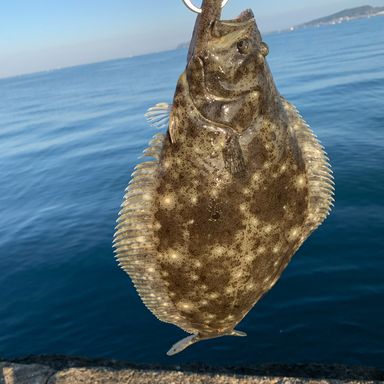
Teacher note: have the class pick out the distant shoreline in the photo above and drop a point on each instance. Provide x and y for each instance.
(363, 12)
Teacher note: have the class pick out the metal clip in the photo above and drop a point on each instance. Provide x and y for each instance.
(193, 8)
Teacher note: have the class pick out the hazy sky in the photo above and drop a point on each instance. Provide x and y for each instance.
(37, 35)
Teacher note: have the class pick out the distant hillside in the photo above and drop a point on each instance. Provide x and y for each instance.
(183, 45)
(343, 16)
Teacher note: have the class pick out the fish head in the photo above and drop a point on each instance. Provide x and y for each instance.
(232, 59)
(228, 77)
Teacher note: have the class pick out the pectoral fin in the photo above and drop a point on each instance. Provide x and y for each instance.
(158, 115)
(233, 156)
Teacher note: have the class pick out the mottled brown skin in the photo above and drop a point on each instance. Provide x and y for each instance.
(232, 198)
(208, 225)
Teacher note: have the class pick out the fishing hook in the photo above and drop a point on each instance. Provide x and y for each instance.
(193, 8)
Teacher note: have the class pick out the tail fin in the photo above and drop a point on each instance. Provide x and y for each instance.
(192, 339)
(182, 344)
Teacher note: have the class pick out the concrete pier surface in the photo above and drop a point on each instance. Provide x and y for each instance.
(70, 370)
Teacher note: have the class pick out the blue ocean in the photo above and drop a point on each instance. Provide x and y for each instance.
(69, 140)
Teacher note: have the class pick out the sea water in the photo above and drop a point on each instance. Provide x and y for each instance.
(69, 140)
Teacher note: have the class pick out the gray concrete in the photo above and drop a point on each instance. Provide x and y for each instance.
(64, 370)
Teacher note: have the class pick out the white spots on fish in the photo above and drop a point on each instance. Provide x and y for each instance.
(231, 253)
(141, 239)
(218, 250)
(174, 255)
(190, 222)
(283, 168)
(300, 181)
(267, 165)
(294, 233)
(237, 274)
(186, 234)
(268, 228)
(185, 305)
(244, 207)
(147, 197)
(156, 226)
(194, 277)
(256, 177)
(214, 192)
(203, 302)
(194, 199)
(250, 286)
(168, 201)
(171, 256)
(261, 250)
(203, 287)
(213, 295)
(167, 164)
(229, 290)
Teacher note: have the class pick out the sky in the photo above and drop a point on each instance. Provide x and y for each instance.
(38, 35)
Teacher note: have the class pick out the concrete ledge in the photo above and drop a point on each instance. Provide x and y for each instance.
(67, 370)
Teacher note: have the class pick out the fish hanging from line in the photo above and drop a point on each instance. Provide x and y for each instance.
(234, 187)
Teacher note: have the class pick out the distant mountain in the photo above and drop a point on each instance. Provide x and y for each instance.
(183, 45)
(343, 16)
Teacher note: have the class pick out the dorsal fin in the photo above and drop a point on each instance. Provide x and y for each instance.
(135, 239)
(319, 173)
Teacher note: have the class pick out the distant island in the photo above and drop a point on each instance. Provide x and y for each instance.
(183, 45)
(364, 11)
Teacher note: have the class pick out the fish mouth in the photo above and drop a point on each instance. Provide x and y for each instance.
(224, 92)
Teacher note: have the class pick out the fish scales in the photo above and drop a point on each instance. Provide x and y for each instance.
(238, 183)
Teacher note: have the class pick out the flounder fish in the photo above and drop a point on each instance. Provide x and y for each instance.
(233, 189)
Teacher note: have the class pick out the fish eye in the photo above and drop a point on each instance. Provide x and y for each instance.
(243, 46)
(264, 49)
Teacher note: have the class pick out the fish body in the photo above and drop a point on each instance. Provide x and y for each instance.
(235, 186)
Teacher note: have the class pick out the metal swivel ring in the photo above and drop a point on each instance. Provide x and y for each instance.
(193, 8)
